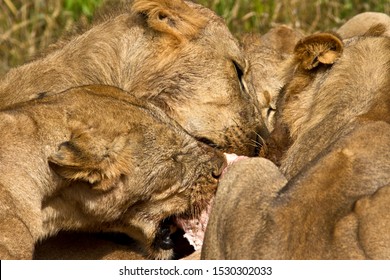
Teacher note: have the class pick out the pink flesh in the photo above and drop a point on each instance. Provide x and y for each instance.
(194, 229)
(231, 158)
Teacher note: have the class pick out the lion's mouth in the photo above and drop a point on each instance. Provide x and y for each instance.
(184, 233)
(163, 238)
(173, 229)
(194, 229)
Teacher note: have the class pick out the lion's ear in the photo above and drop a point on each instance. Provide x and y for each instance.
(83, 158)
(173, 17)
(321, 48)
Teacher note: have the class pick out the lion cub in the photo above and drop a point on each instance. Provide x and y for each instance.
(98, 159)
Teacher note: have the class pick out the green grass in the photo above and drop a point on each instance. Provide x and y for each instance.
(29, 26)
(81, 7)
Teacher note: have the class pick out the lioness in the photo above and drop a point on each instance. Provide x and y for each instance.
(335, 205)
(177, 55)
(96, 158)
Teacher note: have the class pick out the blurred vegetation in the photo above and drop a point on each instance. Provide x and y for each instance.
(308, 15)
(29, 26)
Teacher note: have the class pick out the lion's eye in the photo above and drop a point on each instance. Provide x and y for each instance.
(240, 74)
(270, 111)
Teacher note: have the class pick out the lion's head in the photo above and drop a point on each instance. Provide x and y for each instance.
(330, 84)
(120, 164)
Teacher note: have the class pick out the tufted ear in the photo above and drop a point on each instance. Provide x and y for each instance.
(92, 160)
(321, 48)
(173, 17)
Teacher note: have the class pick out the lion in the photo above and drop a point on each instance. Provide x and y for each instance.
(330, 198)
(267, 55)
(277, 145)
(177, 55)
(95, 158)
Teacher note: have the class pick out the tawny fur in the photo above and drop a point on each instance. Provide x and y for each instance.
(96, 158)
(335, 203)
(268, 55)
(172, 17)
(177, 55)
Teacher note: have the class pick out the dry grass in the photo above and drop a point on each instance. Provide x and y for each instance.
(29, 26)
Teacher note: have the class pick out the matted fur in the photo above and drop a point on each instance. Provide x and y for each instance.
(335, 204)
(177, 55)
(95, 158)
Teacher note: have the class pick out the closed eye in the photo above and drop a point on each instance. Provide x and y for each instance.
(240, 74)
(270, 111)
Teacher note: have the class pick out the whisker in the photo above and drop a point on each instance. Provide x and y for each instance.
(255, 143)
(260, 137)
